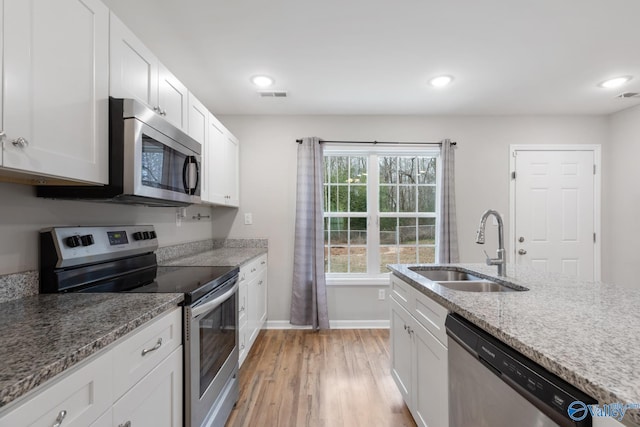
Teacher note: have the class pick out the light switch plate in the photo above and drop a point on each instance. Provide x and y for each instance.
(248, 219)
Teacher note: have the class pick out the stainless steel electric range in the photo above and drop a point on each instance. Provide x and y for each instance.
(123, 259)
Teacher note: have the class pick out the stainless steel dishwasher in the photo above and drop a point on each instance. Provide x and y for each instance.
(492, 385)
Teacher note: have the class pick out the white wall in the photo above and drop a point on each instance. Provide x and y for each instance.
(22, 215)
(621, 201)
(268, 181)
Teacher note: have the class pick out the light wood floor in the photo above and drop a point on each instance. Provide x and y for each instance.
(329, 378)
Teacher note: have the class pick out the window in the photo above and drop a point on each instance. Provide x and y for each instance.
(379, 208)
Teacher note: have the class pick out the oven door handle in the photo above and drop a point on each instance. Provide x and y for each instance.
(214, 303)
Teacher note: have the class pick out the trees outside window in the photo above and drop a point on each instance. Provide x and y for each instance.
(380, 208)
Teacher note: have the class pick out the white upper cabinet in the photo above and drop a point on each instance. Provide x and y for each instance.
(172, 98)
(223, 165)
(56, 86)
(198, 118)
(134, 68)
(136, 73)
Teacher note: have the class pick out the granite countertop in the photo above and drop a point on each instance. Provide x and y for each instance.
(586, 333)
(43, 335)
(216, 257)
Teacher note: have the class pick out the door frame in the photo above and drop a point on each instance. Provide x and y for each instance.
(597, 183)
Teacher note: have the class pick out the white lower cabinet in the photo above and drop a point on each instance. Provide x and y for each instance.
(252, 307)
(419, 363)
(156, 400)
(141, 373)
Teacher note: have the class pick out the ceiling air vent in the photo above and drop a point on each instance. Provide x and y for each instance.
(273, 93)
(629, 95)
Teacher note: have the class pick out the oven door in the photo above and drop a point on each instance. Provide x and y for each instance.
(159, 167)
(211, 356)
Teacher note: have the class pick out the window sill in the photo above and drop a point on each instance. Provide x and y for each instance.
(382, 280)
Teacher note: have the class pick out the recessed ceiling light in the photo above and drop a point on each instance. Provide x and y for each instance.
(262, 81)
(440, 81)
(617, 82)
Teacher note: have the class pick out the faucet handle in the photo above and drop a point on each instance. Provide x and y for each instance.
(485, 252)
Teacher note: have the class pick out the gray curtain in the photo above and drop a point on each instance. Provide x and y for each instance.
(448, 227)
(309, 293)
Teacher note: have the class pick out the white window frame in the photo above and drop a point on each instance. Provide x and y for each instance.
(373, 215)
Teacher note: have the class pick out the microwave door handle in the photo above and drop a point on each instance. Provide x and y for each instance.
(214, 303)
(190, 173)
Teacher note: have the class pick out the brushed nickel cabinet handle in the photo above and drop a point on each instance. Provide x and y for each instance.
(154, 348)
(127, 424)
(20, 142)
(60, 418)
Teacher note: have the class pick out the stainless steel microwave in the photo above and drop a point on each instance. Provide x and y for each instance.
(151, 162)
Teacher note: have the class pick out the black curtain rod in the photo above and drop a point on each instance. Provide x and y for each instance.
(299, 141)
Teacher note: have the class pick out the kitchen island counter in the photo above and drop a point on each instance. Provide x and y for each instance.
(587, 333)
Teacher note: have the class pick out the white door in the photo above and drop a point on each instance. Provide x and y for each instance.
(555, 211)
(56, 83)
(172, 98)
(198, 119)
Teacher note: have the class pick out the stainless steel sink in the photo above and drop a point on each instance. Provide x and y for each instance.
(476, 286)
(444, 275)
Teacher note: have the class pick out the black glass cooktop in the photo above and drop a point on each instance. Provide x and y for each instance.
(193, 282)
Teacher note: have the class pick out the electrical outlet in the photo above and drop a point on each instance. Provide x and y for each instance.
(248, 219)
(381, 294)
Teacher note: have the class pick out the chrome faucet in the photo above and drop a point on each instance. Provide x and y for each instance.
(500, 261)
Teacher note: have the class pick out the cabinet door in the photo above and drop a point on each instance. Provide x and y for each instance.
(198, 119)
(232, 171)
(172, 98)
(56, 85)
(157, 399)
(105, 420)
(134, 68)
(401, 350)
(261, 300)
(431, 386)
(216, 157)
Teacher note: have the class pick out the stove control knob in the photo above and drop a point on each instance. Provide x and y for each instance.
(153, 234)
(87, 240)
(146, 235)
(137, 235)
(73, 241)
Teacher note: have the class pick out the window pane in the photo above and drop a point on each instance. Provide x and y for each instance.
(358, 198)
(338, 198)
(359, 169)
(388, 170)
(426, 198)
(338, 231)
(407, 254)
(388, 231)
(358, 259)
(427, 231)
(358, 231)
(407, 231)
(341, 167)
(388, 255)
(426, 254)
(407, 170)
(407, 198)
(427, 170)
(339, 259)
(387, 195)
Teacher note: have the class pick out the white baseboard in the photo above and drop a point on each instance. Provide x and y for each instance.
(334, 324)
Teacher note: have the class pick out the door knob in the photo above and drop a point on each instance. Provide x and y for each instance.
(521, 239)
(522, 252)
(20, 142)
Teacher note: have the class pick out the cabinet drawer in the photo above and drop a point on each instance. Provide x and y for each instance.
(141, 352)
(84, 394)
(431, 315)
(253, 268)
(402, 293)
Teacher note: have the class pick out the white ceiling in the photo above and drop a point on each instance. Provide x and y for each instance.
(376, 56)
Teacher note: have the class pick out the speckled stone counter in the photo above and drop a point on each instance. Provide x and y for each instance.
(586, 333)
(222, 256)
(43, 335)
